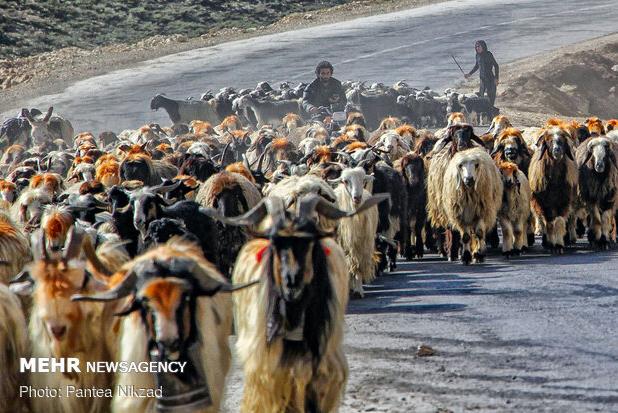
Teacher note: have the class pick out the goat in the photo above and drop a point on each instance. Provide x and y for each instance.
(514, 213)
(147, 204)
(598, 181)
(290, 328)
(472, 196)
(553, 177)
(14, 249)
(48, 128)
(185, 111)
(412, 168)
(356, 235)
(175, 314)
(269, 112)
(59, 328)
(14, 345)
(480, 105)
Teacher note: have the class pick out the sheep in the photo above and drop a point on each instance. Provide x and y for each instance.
(108, 173)
(140, 166)
(14, 345)
(553, 177)
(412, 168)
(291, 122)
(56, 222)
(595, 126)
(356, 235)
(27, 210)
(185, 111)
(510, 146)
(231, 194)
(472, 196)
(498, 124)
(458, 138)
(8, 192)
(181, 315)
(290, 327)
(269, 112)
(514, 213)
(59, 328)
(598, 181)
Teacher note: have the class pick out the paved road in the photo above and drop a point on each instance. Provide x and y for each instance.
(414, 45)
(537, 333)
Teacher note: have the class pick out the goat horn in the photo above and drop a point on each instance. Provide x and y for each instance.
(222, 162)
(123, 289)
(73, 244)
(91, 255)
(207, 285)
(251, 217)
(164, 188)
(48, 114)
(312, 202)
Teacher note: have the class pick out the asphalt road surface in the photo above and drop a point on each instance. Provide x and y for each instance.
(537, 333)
(414, 45)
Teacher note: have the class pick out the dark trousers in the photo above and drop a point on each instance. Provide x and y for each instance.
(489, 86)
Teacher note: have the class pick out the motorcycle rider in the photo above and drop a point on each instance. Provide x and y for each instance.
(324, 91)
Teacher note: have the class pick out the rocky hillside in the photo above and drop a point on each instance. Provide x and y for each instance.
(579, 82)
(29, 27)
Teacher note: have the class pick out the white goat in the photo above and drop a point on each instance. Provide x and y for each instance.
(357, 234)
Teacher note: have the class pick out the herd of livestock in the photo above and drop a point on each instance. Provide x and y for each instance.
(155, 244)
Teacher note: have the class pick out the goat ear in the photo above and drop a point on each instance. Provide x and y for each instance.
(588, 156)
(538, 140)
(48, 114)
(497, 149)
(569, 152)
(26, 114)
(542, 149)
(121, 290)
(133, 305)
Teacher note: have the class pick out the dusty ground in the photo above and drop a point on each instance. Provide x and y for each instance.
(47, 73)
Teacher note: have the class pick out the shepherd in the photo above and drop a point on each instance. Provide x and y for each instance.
(486, 65)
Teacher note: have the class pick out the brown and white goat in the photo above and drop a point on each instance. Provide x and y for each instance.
(553, 177)
(60, 328)
(598, 186)
(14, 345)
(176, 313)
(514, 213)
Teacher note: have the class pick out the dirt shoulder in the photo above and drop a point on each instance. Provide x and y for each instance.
(574, 81)
(22, 79)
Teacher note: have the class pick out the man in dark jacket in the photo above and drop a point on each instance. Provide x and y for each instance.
(325, 90)
(485, 64)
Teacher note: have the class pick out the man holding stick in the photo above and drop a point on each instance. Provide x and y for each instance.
(486, 65)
